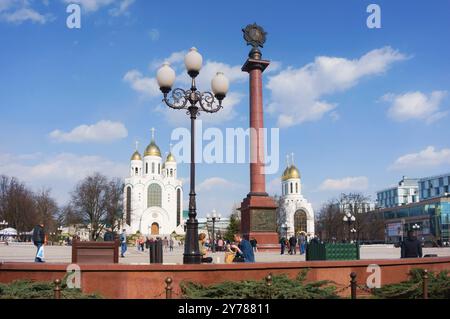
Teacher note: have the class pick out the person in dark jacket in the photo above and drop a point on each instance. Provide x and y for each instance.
(282, 245)
(411, 247)
(245, 249)
(38, 239)
(109, 235)
(292, 245)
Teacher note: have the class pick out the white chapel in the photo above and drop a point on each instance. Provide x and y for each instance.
(294, 210)
(153, 195)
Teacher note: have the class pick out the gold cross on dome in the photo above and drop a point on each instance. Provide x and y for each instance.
(153, 133)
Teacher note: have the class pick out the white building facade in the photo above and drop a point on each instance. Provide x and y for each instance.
(406, 192)
(294, 210)
(153, 195)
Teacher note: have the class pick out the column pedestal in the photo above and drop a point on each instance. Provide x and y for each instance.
(259, 221)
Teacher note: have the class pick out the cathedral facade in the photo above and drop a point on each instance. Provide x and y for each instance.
(153, 195)
(294, 210)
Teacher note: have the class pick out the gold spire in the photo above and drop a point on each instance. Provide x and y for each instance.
(136, 155)
(170, 157)
(152, 149)
(291, 170)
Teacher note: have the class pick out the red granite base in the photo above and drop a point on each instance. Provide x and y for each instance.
(267, 238)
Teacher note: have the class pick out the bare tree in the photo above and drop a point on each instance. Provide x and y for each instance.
(89, 202)
(114, 203)
(46, 210)
(368, 225)
(17, 204)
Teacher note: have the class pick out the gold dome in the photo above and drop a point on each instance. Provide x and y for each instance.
(152, 150)
(290, 172)
(136, 156)
(170, 158)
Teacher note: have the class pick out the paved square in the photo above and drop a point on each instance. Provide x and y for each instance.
(62, 254)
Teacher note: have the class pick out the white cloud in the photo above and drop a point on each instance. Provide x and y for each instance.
(60, 172)
(19, 11)
(416, 106)
(122, 9)
(103, 131)
(428, 157)
(91, 5)
(215, 183)
(148, 87)
(346, 183)
(154, 34)
(297, 94)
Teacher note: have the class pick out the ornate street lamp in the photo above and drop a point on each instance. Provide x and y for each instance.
(214, 217)
(194, 102)
(349, 219)
(353, 231)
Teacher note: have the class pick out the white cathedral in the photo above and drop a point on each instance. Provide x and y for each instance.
(294, 210)
(153, 196)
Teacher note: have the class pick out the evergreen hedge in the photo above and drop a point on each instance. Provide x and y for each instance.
(438, 287)
(28, 289)
(282, 288)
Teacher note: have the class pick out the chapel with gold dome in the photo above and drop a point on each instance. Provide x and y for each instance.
(153, 194)
(294, 211)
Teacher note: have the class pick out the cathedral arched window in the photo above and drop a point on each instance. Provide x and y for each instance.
(128, 208)
(136, 171)
(300, 219)
(178, 206)
(153, 168)
(146, 168)
(291, 189)
(159, 168)
(154, 195)
(296, 188)
(171, 172)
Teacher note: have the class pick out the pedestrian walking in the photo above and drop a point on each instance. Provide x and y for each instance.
(123, 243)
(171, 244)
(292, 245)
(411, 247)
(39, 242)
(282, 245)
(302, 243)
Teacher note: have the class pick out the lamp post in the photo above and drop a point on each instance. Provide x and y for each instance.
(353, 231)
(349, 219)
(214, 217)
(194, 102)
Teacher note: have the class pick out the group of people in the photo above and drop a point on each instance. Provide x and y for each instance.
(143, 243)
(241, 250)
(290, 245)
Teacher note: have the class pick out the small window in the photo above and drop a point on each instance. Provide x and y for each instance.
(137, 171)
(146, 168)
(159, 168)
(171, 172)
(153, 168)
(296, 188)
(292, 189)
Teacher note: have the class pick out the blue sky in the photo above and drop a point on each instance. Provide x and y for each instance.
(359, 107)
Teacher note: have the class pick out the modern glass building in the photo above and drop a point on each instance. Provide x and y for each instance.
(434, 186)
(432, 217)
